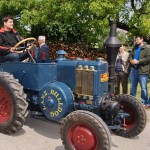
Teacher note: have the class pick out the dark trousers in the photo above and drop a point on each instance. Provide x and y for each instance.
(14, 57)
(121, 79)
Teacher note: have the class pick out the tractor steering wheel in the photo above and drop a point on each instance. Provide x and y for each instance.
(20, 50)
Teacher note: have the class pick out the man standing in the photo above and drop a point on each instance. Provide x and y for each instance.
(140, 60)
(44, 51)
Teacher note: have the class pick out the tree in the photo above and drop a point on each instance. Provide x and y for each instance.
(80, 21)
(135, 18)
(77, 21)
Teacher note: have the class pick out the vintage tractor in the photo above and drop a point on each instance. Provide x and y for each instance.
(78, 93)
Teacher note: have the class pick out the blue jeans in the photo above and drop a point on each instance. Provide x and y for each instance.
(135, 77)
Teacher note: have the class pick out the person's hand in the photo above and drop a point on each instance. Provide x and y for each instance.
(12, 49)
(134, 62)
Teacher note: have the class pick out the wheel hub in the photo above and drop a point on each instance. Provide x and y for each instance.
(130, 121)
(83, 138)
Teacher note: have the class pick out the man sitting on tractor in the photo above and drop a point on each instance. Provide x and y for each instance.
(8, 39)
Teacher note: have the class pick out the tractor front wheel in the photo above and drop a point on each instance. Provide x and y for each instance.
(13, 104)
(83, 130)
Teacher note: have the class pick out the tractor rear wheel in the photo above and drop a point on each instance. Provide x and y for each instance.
(83, 130)
(136, 122)
(13, 104)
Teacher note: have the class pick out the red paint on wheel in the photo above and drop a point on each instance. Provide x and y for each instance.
(5, 105)
(131, 121)
(82, 137)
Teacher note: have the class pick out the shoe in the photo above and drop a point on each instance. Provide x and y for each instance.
(146, 106)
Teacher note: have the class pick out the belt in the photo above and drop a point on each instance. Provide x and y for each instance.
(136, 68)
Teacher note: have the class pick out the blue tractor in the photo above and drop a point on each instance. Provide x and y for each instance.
(77, 92)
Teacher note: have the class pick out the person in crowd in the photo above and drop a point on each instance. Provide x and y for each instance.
(44, 51)
(34, 53)
(9, 37)
(140, 60)
(121, 69)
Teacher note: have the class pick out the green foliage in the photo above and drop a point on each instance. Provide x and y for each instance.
(73, 21)
(137, 17)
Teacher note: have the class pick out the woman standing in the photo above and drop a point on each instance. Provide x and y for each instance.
(122, 66)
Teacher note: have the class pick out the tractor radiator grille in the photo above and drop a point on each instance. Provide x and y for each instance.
(84, 80)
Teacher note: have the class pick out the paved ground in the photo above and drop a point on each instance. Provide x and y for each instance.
(41, 135)
(148, 115)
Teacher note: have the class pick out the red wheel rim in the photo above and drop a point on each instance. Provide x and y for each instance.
(131, 121)
(81, 137)
(5, 105)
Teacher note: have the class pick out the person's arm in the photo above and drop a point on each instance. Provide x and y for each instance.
(18, 37)
(3, 49)
(131, 57)
(45, 52)
(127, 64)
(131, 54)
(146, 59)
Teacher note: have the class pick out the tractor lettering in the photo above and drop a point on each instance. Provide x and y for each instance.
(59, 109)
(56, 113)
(44, 95)
(42, 102)
(44, 108)
(59, 104)
(53, 92)
(52, 114)
(59, 99)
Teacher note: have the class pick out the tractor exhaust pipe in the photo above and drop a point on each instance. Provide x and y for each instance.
(112, 45)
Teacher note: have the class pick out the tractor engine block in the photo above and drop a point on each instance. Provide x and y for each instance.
(109, 108)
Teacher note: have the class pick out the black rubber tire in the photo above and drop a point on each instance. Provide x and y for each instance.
(93, 122)
(18, 102)
(137, 122)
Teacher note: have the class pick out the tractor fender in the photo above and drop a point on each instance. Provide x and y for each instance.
(55, 100)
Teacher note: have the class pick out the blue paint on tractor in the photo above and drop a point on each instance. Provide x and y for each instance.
(46, 83)
(32, 76)
(55, 100)
(66, 73)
